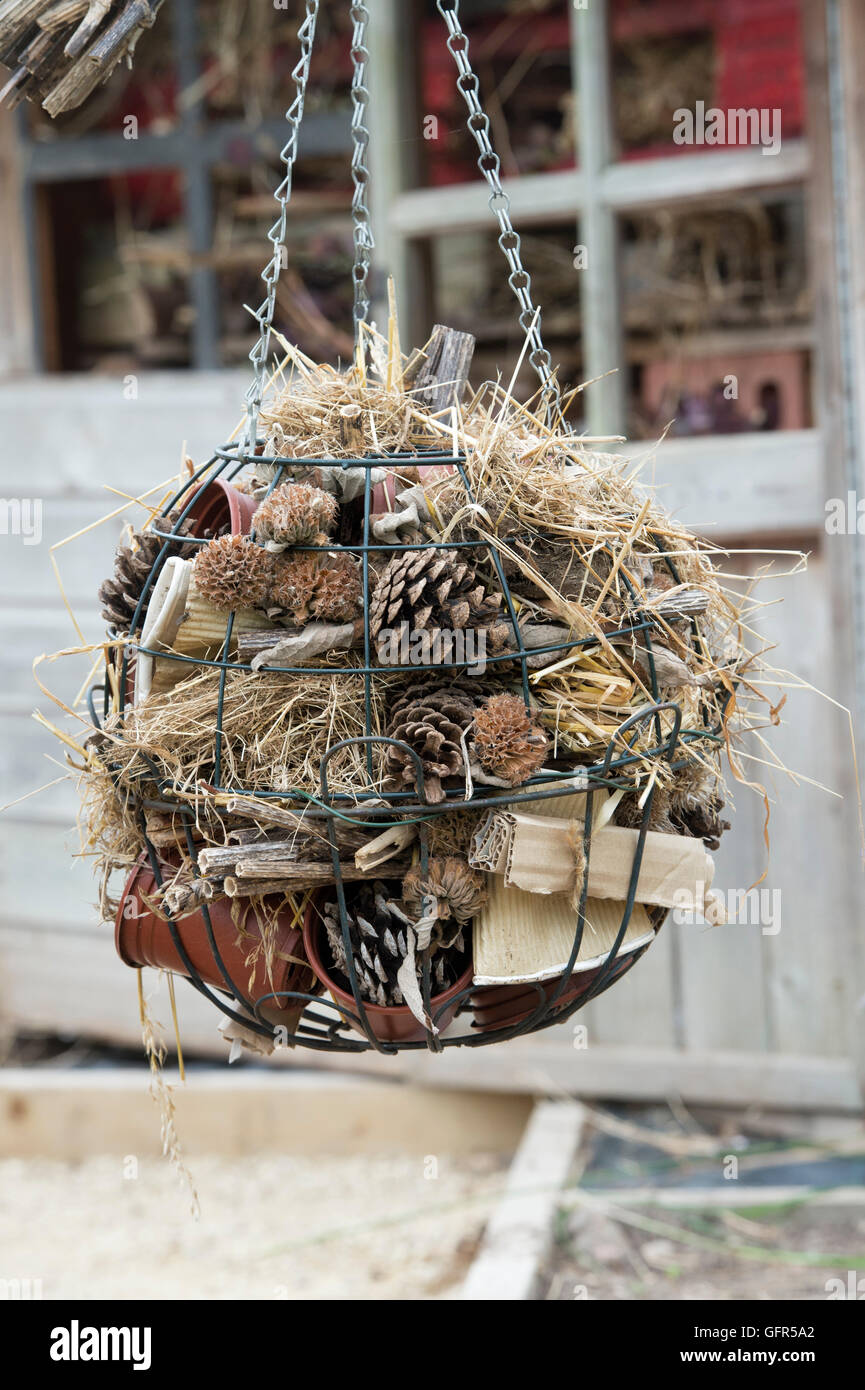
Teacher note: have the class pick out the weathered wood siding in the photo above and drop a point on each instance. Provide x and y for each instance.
(718, 1013)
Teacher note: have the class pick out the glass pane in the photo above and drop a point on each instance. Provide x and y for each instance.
(314, 295)
(717, 314)
(521, 53)
(713, 61)
(115, 273)
(249, 49)
(470, 291)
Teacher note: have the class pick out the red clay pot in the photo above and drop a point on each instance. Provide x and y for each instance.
(504, 1006)
(384, 494)
(222, 507)
(395, 1024)
(142, 938)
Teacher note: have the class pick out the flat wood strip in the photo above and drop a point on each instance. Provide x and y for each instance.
(69, 980)
(519, 1234)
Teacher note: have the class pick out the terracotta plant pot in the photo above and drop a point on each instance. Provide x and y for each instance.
(142, 938)
(222, 508)
(505, 1006)
(384, 494)
(396, 1024)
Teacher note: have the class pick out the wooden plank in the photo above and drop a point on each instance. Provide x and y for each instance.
(519, 1234)
(736, 1195)
(598, 231)
(25, 750)
(41, 880)
(78, 432)
(388, 152)
(26, 574)
(68, 980)
(630, 185)
(16, 327)
(734, 486)
(535, 198)
(540, 1065)
(70, 1115)
(641, 1008)
(809, 865)
(682, 178)
(27, 632)
(723, 987)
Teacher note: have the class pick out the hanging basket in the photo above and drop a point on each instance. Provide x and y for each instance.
(349, 839)
(323, 1005)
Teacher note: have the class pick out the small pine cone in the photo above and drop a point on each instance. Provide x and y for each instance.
(431, 589)
(296, 514)
(377, 928)
(449, 889)
(377, 931)
(325, 587)
(233, 572)
(430, 719)
(703, 821)
(132, 565)
(507, 741)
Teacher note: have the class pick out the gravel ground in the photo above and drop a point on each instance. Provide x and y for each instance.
(270, 1228)
(784, 1253)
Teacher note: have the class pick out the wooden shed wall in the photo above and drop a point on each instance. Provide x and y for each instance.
(720, 1014)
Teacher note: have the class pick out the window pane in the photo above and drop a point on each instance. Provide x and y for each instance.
(521, 54)
(249, 50)
(717, 313)
(709, 60)
(314, 294)
(115, 274)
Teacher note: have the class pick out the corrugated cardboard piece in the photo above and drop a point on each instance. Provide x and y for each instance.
(523, 936)
(543, 854)
(536, 866)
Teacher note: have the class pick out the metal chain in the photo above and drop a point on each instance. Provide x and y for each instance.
(363, 238)
(270, 275)
(490, 166)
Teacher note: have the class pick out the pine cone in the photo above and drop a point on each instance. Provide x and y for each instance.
(132, 564)
(326, 587)
(430, 719)
(296, 514)
(449, 889)
(377, 929)
(431, 589)
(507, 741)
(702, 820)
(233, 572)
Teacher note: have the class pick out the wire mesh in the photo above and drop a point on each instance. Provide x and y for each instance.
(328, 1023)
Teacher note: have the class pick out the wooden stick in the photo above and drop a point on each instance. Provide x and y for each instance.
(252, 644)
(97, 10)
(384, 847)
(187, 895)
(295, 874)
(442, 379)
(351, 429)
(62, 14)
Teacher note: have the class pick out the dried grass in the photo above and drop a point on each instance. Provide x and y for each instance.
(581, 542)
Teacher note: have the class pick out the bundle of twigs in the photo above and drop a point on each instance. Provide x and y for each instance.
(59, 51)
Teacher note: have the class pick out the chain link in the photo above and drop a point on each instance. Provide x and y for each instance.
(489, 164)
(276, 236)
(363, 238)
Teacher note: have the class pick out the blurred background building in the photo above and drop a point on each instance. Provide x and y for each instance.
(723, 281)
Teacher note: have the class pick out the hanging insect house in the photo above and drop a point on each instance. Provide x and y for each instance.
(412, 716)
